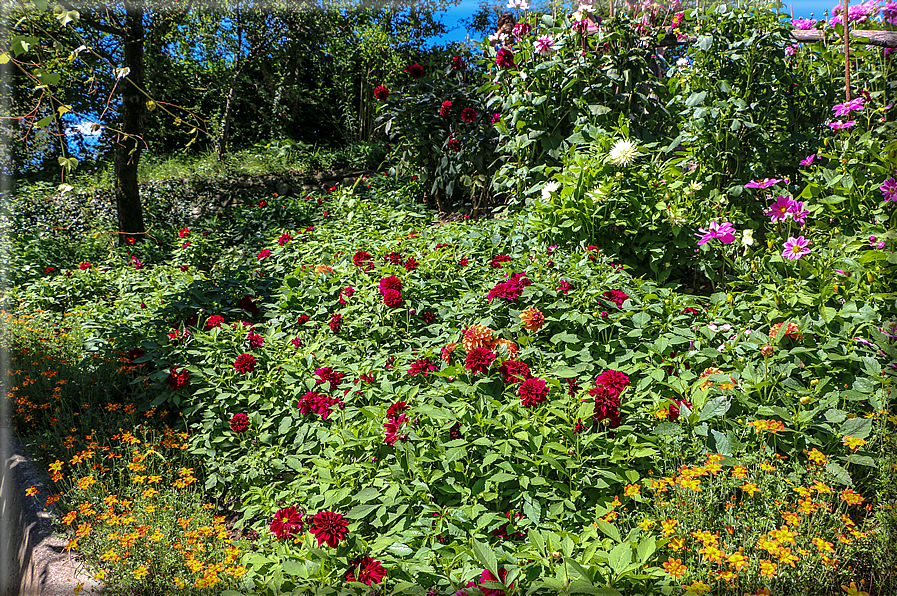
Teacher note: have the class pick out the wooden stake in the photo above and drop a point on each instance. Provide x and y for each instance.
(846, 51)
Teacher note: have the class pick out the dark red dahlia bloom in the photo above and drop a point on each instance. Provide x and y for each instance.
(248, 305)
(458, 63)
(361, 258)
(302, 319)
(245, 363)
(502, 530)
(411, 264)
(618, 297)
(176, 379)
(487, 576)
(319, 403)
(445, 110)
(391, 283)
(564, 287)
(365, 570)
(286, 522)
(367, 378)
(454, 145)
(336, 322)
(455, 431)
(329, 528)
(135, 354)
(496, 118)
(50, 269)
(468, 115)
(392, 298)
(345, 294)
(428, 317)
(505, 59)
(578, 427)
(263, 254)
(613, 380)
(255, 340)
(513, 371)
(84, 266)
(296, 342)
(511, 289)
(607, 404)
(381, 93)
(391, 429)
(479, 360)
(415, 70)
(675, 407)
(395, 258)
(239, 423)
(691, 311)
(422, 366)
(532, 392)
(284, 239)
(214, 321)
(573, 386)
(262, 204)
(395, 409)
(497, 260)
(328, 375)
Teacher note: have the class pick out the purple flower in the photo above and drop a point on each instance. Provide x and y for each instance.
(724, 232)
(844, 109)
(781, 209)
(544, 45)
(840, 272)
(766, 183)
(803, 24)
(790, 51)
(797, 212)
(795, 248)
(808, 160)
(838, 125)
(889, 189)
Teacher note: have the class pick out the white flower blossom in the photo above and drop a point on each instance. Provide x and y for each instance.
(623, 153)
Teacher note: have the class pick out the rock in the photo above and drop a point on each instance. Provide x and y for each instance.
(282, 188)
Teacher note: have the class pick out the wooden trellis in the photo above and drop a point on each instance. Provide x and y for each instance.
(882, 39)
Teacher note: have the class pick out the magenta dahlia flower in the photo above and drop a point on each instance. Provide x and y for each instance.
(468, 115)
(391, 429)
(329, 528)
(888, 189)
(263, 254)
(284, 239)
(505, 59)
(381, 93)
(422, 367)
(724, 232)
(532, 392)
(544, 45)
(445, 110)
(513, 371)
(781, 209)
(245, 363)
(392, 298)
(286, 522)
(336, 322)
(365, 570)
(214, 321)
(255, 340)
(795, 248)
(618, 297)
(479, 360)
(391, 283)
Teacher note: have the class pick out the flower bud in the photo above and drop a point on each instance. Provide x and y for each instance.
(767, 350)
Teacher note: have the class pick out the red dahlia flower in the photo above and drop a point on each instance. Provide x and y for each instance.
(514, 372)
(675, 408)
(458, 63)
(336, 322)
(479, 360)
(422, 366)
(391, 283)
(487, 576)
(428, 317)
(214, 321)
(505, 59)
(239, 423)
(368, 571)
(396, 408)
(391, 429)
(84, 266)
(415, 70)
(468, 115)
(284, 238)
(255, 340)
(135, 354)
(613, 380)
(532, 392)
(265, 253)
(302, 319)
(176, 379)
(454, 145)
(607, 404)
(381, 93)
(392, 298)
(360, 258)
(618, 297)
(497, 260)
(564, 287)
(286, 522)
(411, 264)
(328, 375)
(248, 305)
(445, 109)
(183, 232)
(245, 363)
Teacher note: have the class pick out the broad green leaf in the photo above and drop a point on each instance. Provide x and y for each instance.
(857, 427)
(840, 475)
(485, 556)
(609, 530)
(620, 558)
(361, 511)
(718, 406)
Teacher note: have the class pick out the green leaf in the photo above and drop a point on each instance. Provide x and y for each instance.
(695, 99)
(401, 549)
(718, 406)
(840, 475)
(646, 548)
(857, 427)
(361, 511)
(668, 429)
(486, 557)
(704, 42)
(609, 530)
(620, 557)
(722, 443)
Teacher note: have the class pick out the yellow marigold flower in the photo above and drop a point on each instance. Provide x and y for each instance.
(786, 557)
(851, 497)
(750, 488)
(676, 544)
(141, 572)
(647, 524)
(154, 479)
(816, 456)
(707, 538)
(150, 493)
(157, 535)
(83, 530)
(821, 487)
(668, 526)
(790, 518)
(476, 336)
(662, 413)
(101, 574)
(86, 482)
(69, 518)
(32, 491)
(111, 556)
(698, 587)
(711, 553)
(767, 568)
(56, 466)
(692, 483)
(727, 575)
(783, 534)
(830, 562)
(179, 583)
(853, 590)
(767, 467)
(853, 443)
(674, 567)
(739, 472)
(631, 490)
(184, 521)
(737, 561)
(236, 571)
(194, 565)
(845, 539)
(616, 502)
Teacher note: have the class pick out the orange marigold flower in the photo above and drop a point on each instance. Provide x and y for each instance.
(853, 443)
(817, 457)
(674, 567)
(52, 499)
(791, 330)
(631, 490)
(783, 534)
(767, 467)
(737, 561)
(111, 556)
(790, 518)
(767, 568)
(32, 491)
(711, 553)
(851, 497)
(750, 488)
(83, 530)
(86, 482)
(707, 538)
(698, 587)
(141, 572)
(69, 518)
(739, 472)
(668, 526)
(676, 544)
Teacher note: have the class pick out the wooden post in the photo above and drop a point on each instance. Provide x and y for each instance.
(846, 51)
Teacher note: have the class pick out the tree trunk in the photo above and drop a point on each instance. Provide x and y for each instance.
(133, 122)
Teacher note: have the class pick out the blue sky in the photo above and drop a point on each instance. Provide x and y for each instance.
(452, 17)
